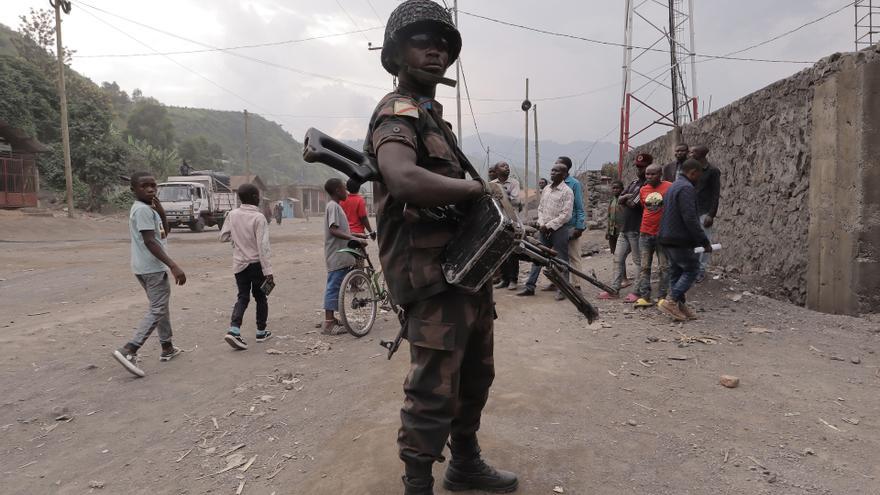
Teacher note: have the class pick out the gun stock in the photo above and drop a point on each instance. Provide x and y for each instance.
(321, 148)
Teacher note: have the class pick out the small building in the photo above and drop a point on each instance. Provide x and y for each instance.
(19, 176)
(237, 180)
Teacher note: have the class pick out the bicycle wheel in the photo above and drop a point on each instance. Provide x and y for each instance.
(357, 303)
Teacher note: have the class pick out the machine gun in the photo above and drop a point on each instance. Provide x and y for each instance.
(361, 168)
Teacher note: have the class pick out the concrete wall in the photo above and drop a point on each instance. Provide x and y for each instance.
(800, 202)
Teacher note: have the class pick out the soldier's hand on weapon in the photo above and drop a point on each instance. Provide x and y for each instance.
(494, 190)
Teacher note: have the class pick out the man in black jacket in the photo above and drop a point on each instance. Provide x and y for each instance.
(708, 195)
(680, 232)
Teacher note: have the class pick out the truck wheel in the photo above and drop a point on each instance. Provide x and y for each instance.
(197, 226)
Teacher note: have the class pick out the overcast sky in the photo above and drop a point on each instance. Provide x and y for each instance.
(496, 58)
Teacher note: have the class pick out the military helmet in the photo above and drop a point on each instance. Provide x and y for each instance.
(408, 18)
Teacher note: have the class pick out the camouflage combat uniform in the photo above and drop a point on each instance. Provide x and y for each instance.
(450, 332)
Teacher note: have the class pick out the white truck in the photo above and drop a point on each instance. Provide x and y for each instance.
(196, 201)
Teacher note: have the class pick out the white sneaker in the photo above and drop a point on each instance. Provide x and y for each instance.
(128, 361)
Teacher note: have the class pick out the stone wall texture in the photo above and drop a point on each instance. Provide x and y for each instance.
(764, 145)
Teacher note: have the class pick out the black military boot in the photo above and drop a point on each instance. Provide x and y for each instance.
(418, 479)
(468, 471)
(418, 486)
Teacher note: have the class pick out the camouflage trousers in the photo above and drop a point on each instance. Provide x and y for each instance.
(452, 367)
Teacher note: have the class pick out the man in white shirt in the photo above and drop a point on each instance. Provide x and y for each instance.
(510, 269)
(554, 212)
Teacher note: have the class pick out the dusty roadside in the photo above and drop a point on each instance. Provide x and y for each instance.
(628, 405)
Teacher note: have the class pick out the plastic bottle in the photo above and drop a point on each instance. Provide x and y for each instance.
(701, 249)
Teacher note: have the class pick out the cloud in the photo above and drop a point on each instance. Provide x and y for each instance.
(497, 58)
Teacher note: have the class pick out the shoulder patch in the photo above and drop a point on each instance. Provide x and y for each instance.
(406, 109)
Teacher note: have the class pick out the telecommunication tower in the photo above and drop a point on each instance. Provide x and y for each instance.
(867, 29)
(676, 75)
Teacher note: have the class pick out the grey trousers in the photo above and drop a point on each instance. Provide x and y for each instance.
(627, 242)
(158, 290)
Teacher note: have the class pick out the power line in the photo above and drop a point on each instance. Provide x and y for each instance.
(468, 95)
(350, 18)
(189, 69)
(374, 10)
(616, 44)
(239, 47)
(810, 23)
(245, 57)
(229, 51)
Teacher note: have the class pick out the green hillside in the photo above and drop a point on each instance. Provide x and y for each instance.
(275, 156)
(114, 132)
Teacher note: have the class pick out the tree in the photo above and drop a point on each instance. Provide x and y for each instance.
(200, 153)
(145, 157)
(28, 100)
(149, 122)
(118, 98)
(609, 169)
(37, 40)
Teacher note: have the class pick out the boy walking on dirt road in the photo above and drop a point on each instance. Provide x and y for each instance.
(149, 230)
(248, 230)
(680, 232)
(337, 234)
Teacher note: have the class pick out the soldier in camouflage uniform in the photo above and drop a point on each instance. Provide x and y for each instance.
(450, 332)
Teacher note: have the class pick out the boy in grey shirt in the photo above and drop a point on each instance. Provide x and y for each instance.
(149, 229)
(336, 236)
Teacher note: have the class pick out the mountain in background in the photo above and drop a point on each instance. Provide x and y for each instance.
(274, 154)
(511, 150)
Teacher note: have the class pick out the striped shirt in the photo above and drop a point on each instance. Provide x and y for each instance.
(557, 203)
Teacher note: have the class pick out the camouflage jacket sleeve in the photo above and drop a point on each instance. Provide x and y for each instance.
(396, 122)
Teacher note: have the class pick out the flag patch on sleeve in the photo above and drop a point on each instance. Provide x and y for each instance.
(405, 109)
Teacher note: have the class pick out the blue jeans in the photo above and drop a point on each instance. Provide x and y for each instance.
(559, 242)
(648, 246)
(331, 294)
(684, 266)
(626, 243)
(704, 258)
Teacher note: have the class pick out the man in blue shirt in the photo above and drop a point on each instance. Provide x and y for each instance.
(578, 222)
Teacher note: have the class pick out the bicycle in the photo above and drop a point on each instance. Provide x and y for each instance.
(362, 294)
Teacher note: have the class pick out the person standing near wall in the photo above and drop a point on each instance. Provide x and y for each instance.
(510, 268)
(680, 232)
(672, 169)
(578, 222)
(651, 196)
(708, 196)
(628, 242)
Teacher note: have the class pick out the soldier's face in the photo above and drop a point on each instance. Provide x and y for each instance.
(428, 52)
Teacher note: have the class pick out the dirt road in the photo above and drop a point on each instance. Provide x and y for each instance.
(628, 405)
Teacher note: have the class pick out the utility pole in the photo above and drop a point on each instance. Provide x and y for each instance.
(537, 153)
(526, 105)
(457, 79)
(62, 92)
(247, 147)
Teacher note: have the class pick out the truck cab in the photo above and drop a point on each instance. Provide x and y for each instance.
(195, 202)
